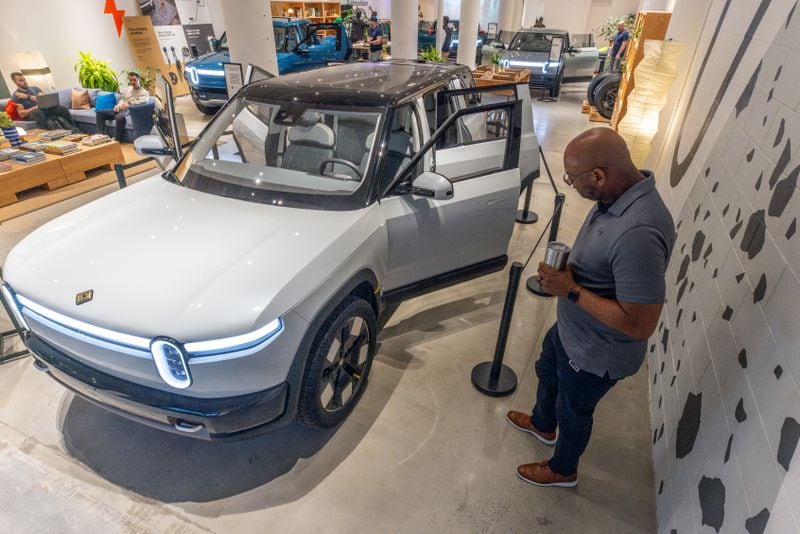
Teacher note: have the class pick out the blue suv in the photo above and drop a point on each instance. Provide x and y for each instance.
(299, 47)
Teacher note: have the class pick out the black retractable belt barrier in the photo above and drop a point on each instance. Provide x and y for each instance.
(533, 282)
(493, 378)
(525, 215)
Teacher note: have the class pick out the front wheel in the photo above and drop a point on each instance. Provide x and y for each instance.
(339, 363)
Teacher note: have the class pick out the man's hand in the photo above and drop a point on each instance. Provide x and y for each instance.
(556, 283)
(122, 106)
(20, 95)
(116, 109)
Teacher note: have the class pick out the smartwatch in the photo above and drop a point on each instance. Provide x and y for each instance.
(574, 293)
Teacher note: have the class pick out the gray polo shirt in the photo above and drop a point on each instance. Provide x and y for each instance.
(621, 253)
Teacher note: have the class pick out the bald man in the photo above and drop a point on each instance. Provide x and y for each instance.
(610, 297)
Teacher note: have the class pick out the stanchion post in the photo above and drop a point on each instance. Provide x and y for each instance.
(533, 282)
(120, 175)
(493, 378)
(525, 215)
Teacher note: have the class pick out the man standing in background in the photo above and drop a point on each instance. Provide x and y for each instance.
(620, 46)
(375, 39)
(448, 36)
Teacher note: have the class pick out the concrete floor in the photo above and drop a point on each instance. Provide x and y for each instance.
(423, 451)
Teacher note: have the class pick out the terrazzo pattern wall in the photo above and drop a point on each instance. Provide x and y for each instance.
(725, 362)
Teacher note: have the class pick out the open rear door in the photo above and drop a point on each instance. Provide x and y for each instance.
(470, 229)
(451, 101)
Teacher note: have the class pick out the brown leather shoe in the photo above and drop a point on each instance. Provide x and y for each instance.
(522, 421)
(540, 474)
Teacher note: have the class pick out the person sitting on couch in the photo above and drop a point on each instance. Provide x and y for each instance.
(52, 118)
(134, 94)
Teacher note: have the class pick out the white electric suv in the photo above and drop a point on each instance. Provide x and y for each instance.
(240, 288)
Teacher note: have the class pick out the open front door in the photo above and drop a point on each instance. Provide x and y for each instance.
(431, 237)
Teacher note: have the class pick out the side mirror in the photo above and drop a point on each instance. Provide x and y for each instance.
(301, 49)
(431, 185)
(153, 146)
(573, 50)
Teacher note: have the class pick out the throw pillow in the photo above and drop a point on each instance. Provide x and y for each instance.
(11, 109)
(80, 99)
(105, 101)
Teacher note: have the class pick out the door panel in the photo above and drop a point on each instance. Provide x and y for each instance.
(429, 237)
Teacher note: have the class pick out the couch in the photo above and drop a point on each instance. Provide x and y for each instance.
(139, 121)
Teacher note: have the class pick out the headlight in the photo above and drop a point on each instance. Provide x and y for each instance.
(171, 362)
(236, 343)
(191, 74)
(12, 306)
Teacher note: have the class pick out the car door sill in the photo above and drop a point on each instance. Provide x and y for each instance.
(443, 280)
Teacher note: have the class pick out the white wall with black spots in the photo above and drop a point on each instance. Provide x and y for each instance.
(724, 363)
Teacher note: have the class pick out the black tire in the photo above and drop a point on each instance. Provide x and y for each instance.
(606, 95)
(206, 110)
(593, 83)
(339, 362)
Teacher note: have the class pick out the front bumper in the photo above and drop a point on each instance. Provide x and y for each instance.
(203, 418)
(210, 96)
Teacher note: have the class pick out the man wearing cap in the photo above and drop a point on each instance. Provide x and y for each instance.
(610, 297)
(375, 39)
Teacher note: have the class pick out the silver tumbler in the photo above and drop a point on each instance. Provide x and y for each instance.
(557, 254)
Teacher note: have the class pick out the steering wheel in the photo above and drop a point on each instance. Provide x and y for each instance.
(346, 163)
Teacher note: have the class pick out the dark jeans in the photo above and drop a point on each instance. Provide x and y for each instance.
(54, 118)
(119, 121)
(566, 400)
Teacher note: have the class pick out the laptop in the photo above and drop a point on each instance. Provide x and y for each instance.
(47, 101)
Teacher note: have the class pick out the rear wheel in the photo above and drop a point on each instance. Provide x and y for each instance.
(339, 363)
(606, 95)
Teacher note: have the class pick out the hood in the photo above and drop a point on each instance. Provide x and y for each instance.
(211, 60)
(166, 260)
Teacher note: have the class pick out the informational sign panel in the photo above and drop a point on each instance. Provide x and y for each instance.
(234, 79)
(555, 49)
(149, 53)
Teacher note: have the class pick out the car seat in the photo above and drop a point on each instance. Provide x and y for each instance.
(310, 143)
(400, 149)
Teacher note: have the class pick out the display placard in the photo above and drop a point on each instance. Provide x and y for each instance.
(556, 44)
(491, 31)
(149, 54)
(234, 79)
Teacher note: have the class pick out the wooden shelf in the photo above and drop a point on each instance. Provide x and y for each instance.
(315, 11)
(648, 25)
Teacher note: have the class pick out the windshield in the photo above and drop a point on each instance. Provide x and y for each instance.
(531, 42)
(284, 153)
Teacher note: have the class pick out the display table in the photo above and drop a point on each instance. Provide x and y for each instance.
(485, 78)
(57, 171)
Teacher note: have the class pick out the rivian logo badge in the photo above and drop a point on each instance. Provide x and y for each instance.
(84, 296)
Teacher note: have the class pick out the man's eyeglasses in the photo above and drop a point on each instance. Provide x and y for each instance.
(569, 179)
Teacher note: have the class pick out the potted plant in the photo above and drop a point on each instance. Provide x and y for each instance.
(497, 63)
(95, 73)
(9, 129)
(431, 54)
